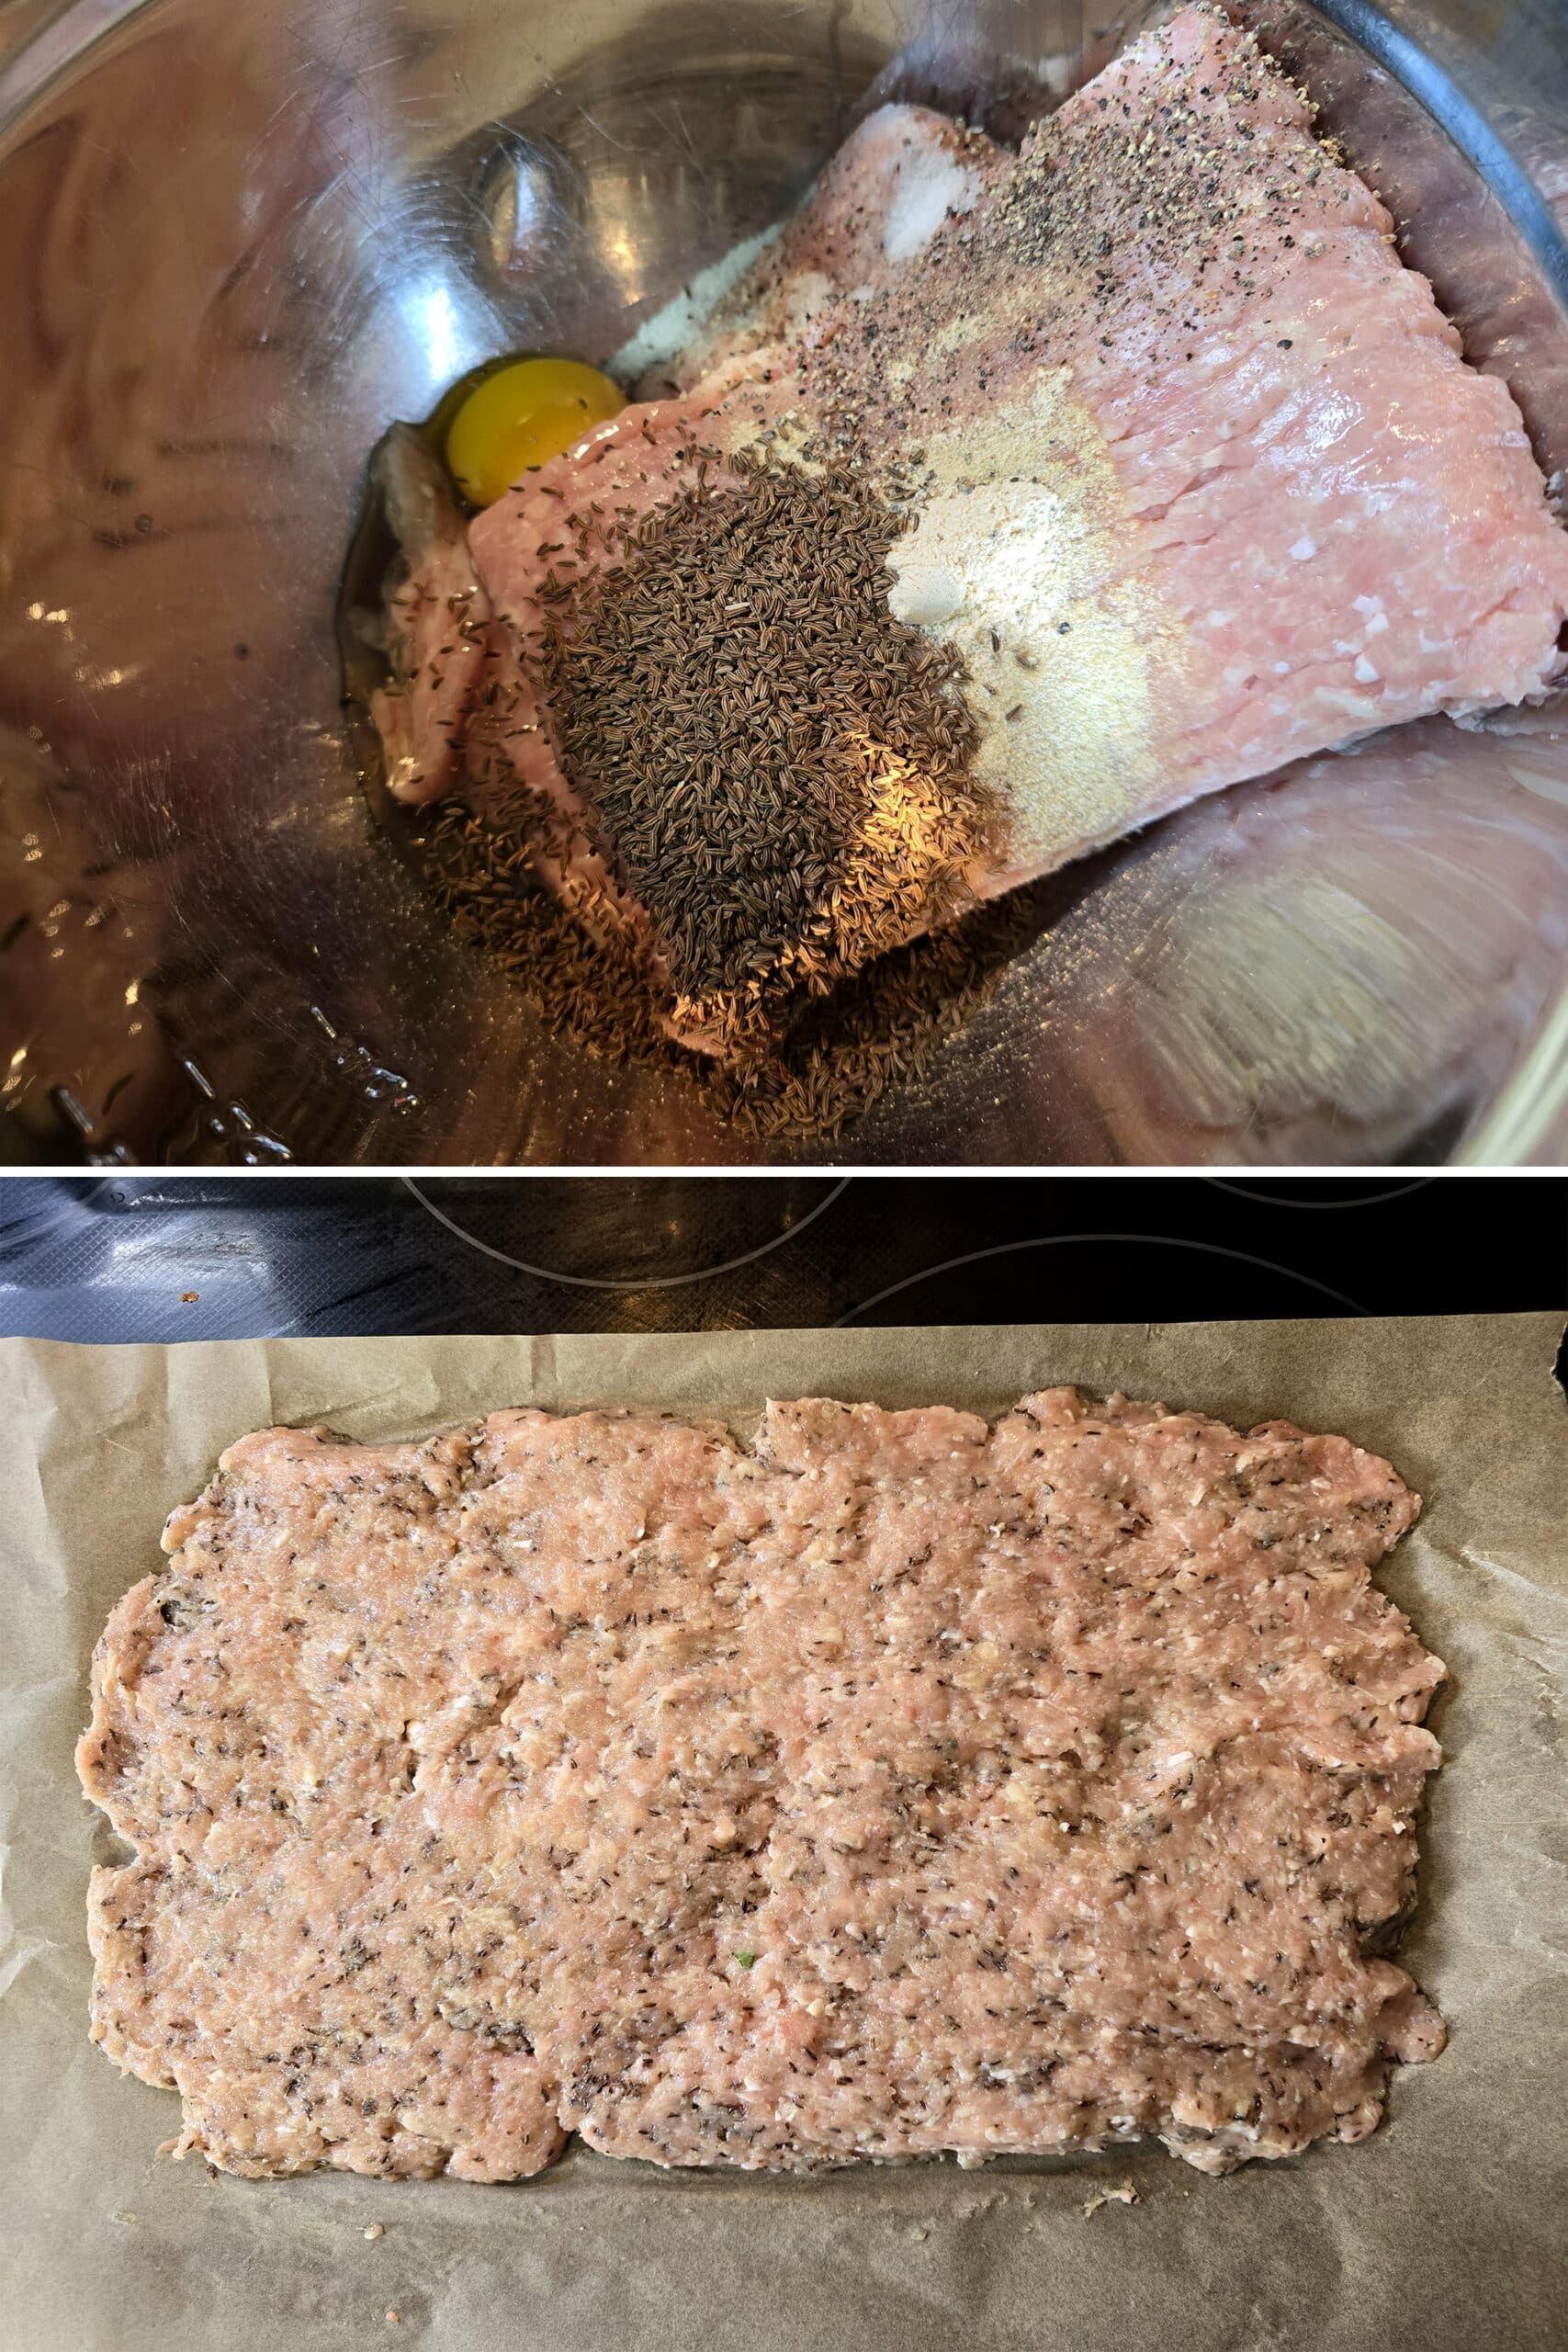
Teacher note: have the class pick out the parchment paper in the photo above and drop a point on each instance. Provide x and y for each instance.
(1446, 2231)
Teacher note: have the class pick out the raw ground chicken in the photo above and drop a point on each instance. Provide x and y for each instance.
(1189, 471)
(897, 1785)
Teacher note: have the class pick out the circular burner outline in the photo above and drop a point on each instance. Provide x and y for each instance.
(604, 1282)
(1282, 1201)
(1054, 1241)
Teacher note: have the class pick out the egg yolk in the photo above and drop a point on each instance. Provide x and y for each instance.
(521, 416)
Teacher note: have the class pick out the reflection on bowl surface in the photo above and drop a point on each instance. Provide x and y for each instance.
(236, 245)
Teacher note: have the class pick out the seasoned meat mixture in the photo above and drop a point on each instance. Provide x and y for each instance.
(1183, 477)
(896, 1785)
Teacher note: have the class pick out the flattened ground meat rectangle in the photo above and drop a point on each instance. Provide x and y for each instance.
(900, 1784)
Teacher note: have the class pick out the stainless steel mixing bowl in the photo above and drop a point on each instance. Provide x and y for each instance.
(235, 241)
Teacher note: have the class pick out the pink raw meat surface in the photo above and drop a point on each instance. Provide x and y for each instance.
(1192, 472)
(896, 1784)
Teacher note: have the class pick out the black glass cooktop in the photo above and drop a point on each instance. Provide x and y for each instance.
(206, 1258)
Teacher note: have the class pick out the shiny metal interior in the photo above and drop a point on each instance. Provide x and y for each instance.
(236, 243)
